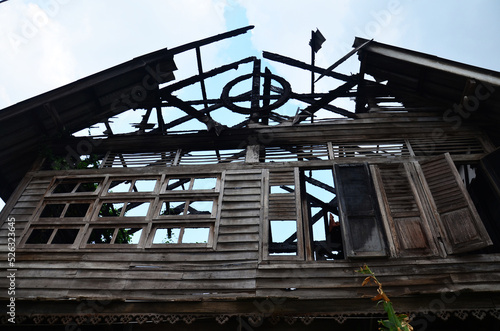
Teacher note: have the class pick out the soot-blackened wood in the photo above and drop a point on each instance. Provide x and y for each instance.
(324, 101)
(491, 166)
(303, 65)
(460, 224)
(200, 116)
(360, 218)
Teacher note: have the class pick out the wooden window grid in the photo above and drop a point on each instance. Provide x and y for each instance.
(64, 207)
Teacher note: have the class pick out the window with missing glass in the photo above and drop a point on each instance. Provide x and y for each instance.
(363, 210)
(127, 211)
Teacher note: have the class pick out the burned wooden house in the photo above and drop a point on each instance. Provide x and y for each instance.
(260, 218)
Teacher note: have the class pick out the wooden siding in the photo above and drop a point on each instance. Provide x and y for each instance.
(233, 269)
(155, 273)
(24, 206)
(401, 278)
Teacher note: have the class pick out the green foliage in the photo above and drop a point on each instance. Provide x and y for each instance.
(61, 163)
(124, 236)
(395, 322)
(56, 162)
(171, 237)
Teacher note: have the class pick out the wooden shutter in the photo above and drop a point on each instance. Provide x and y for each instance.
(400, 204)
(360, 221)
(461, 226)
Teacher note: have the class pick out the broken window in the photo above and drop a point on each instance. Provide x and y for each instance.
(284, 229)
(181, 235)
(124, 209)
(76, 187)
(59, 236)
(65, 210)
(131, 185)
(186, 207)
(191, 184)
(114, 235)
(394, 209)
(117, 215)
(310, 212)
(283, 237)
(321, 213)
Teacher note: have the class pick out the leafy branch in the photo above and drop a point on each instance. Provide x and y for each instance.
(395, 322)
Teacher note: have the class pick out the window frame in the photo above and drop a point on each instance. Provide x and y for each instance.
(439, 239)
(23, 243)
(148, 222)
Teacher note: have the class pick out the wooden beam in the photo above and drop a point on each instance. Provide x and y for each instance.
(255, 96)
(209, 40)
(200, 71)
(266, 96)
(331, 108)
(198, 78)
(161, 122)
(321, 103)
(320, 184)
(108, 131)
(193, 112)
(295, 63)
(343, 59)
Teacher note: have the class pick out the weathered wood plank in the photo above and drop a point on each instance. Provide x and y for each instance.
(241, 198)
(226, 206)
(235, 238)
(237, 229)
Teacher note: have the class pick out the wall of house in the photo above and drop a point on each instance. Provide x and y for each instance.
(234, 263)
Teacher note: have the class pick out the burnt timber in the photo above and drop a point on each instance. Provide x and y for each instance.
(261, 221)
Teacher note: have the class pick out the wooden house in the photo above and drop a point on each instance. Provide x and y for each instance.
(262, 223)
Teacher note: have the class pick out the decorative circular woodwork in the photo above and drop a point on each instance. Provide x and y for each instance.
(284, 95)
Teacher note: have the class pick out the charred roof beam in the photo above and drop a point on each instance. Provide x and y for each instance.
(299, 64)
(198, 78)
(194, 113)
(324, 101)
(255, 96)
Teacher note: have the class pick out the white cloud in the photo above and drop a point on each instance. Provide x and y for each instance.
(77, 38)
(46, 47)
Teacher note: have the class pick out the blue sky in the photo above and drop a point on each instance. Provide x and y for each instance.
(46, 44)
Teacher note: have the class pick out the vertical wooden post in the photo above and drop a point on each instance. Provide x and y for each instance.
(255, 98)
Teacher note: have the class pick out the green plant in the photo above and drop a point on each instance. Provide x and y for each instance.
(62, 163)
(395, 322)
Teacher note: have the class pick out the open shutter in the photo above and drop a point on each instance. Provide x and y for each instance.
(360, 220)
(461, 226)
(409, 227)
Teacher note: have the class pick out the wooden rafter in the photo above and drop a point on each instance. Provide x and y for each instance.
(194, 113)
(296, 63)
(200, 71)
(198, 78)
(324, 101)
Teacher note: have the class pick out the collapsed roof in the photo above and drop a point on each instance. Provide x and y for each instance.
(390, 79)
